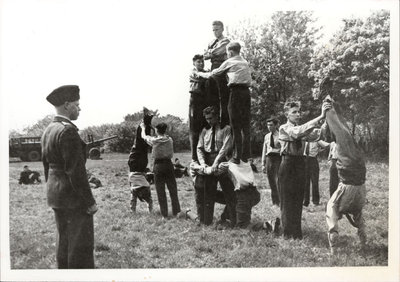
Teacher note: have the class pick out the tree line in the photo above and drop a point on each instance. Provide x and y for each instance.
(288, 63)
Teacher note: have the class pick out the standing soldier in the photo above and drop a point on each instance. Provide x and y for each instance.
(68, 190)
(271, 158)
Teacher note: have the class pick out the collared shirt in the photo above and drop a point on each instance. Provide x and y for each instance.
(223, 143)
(314, 148)
(237, 69)
(163, 146)
(217, 49)
(267, 149)
(291, 134)
(197, 83)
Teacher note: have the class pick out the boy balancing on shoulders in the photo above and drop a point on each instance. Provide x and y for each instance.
(239, 78)
(198, 102)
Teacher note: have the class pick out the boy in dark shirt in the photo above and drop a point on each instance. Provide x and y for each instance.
(198, 102)
(28, 176)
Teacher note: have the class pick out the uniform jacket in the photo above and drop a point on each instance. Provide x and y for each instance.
(64, 158)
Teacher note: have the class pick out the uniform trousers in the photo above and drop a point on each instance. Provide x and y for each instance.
(164, 175)
(219, 86)
(198, 102)
(75, 239)
(239, 118)
(223, 92)
(291, 184)
(246, 199)
(347, 199)
(206, 194)
(312, 177)
(273, 162)
(333, 177)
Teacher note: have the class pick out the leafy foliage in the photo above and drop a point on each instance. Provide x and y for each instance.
(358, 62)
(126, 131)
(279, 53)
(177, 129)
(33, 130)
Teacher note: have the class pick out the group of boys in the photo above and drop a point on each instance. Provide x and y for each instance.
(219, 123)
(289, 152)
(70, 196)
(271, 160)
(286, 158)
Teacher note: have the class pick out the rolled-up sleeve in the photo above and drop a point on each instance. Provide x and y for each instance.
(298, 131)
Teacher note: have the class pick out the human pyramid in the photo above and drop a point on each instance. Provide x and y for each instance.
(219, 123)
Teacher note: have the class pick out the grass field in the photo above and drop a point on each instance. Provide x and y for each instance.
(143, 240)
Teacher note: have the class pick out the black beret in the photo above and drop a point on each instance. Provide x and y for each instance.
(66, 93)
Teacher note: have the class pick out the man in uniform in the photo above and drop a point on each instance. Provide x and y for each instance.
(68, 190)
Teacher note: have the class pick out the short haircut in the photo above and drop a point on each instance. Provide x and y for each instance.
(234, 46)
(161, 127)
(210, 110)
(25, 166)
(198, 57)
(218, 23)
(291, 104)
(273, 119)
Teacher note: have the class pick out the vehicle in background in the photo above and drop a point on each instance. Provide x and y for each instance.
(25, 148)
(29, 149)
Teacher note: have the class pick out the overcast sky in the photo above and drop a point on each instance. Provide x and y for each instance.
(123, 54)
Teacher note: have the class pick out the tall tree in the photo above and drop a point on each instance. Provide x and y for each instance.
(279, 52)
(38, 128)
(358, 62)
